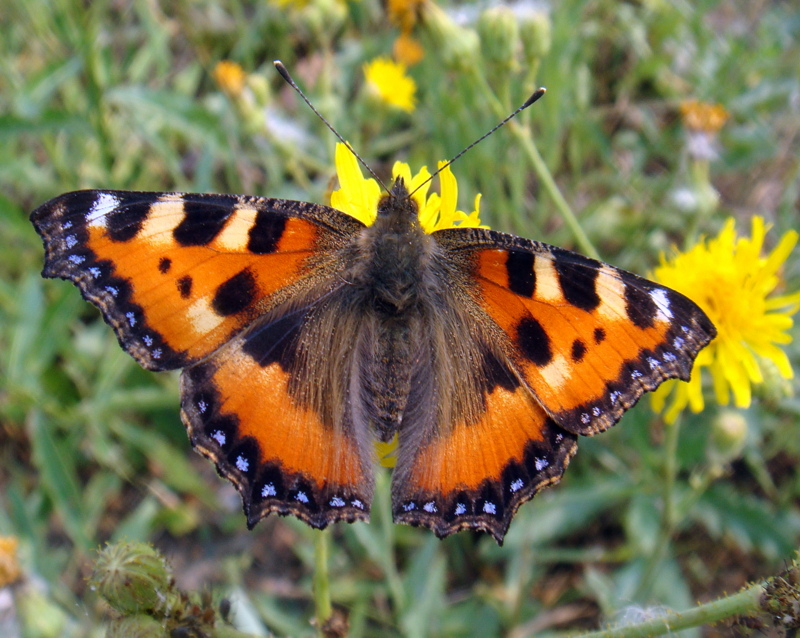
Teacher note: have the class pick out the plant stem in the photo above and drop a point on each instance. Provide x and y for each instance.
(322, 591)
(746, 603)
(524, 136)
(669, 517)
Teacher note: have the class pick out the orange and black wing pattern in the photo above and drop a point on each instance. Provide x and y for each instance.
(203, 282)
(588, 338)
(565, 345)
(176, 274)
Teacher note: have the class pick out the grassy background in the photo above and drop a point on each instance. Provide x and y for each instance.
(121, 95)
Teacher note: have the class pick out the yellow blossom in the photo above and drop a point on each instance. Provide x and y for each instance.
(230, 77)
(9, 567)
(730, 279)
(388, 81)
(358, 196)
(701, 116)
(387, 452)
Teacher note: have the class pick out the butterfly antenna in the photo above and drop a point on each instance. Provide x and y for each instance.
(285, 75)
(533, 98)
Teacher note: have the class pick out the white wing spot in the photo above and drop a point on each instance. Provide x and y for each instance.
(408, 507)
(131, 319)
(517, 485)
(77, 259)
(71, 241)
(219, 436)
(596, 411)
(242, 464)
(653, 363)
(66, 225)
(157, 353)
(357, 503)
(94, 271)
(460, 509)
(489, 508)
(668, 356)
(101, 206)
(614, 396)
(585, 418)
(148, 340)
(636, 374)
(559, 437)
(337, 502)
(430, 507)
(202, 406)
(661, 299)
(301, 496)
(268, 490)
(678, 343)
(112, 291)
(540, 463)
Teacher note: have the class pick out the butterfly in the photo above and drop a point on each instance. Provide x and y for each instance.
(306, 335)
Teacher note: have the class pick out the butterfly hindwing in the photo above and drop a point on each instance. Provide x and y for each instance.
(177, 275)
(589, 338)
(253, 409)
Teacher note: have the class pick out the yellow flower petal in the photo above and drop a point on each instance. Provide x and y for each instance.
(358, 196)
(733, 282)
(387, 80)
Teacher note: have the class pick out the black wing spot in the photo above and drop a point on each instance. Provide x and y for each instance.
(201, 223)
(125, 222)
(266, 232)
(235, 295)
(164, 264)
(599, 335)
(639, 305)
(521, 277)
(185, 286)
(533, 341)
(578, 350)
(577, 276)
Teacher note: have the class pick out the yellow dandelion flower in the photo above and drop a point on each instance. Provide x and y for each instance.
(733, 283)
(387, 80)
(9, 566)
(230, 77)
(701, 116)
(407, 49)
(358, 196)
(702, 121)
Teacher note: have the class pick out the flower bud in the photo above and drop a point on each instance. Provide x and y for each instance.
(499, 34)
(137, 626)
(132, 577)
(535, 31)
(459, 48)
(728, 436)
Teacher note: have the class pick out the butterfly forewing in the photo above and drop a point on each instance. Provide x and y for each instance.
(588, 338)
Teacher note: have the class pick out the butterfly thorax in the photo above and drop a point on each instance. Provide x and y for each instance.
(394, 256)
(392, 272)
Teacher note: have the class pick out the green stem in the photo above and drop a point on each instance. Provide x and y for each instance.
(523, 135)
(669, 517)
(322, 590)
(746, 603)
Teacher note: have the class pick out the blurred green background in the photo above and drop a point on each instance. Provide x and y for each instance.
(129, 95)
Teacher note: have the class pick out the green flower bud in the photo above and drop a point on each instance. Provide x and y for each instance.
(499, 34)
(458, 47)
(132, 577)
(138, 626)
(728, 436)
(535, 31)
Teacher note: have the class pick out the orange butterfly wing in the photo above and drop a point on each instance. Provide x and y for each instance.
(180, 278)
(567, 344)
(177, 275)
